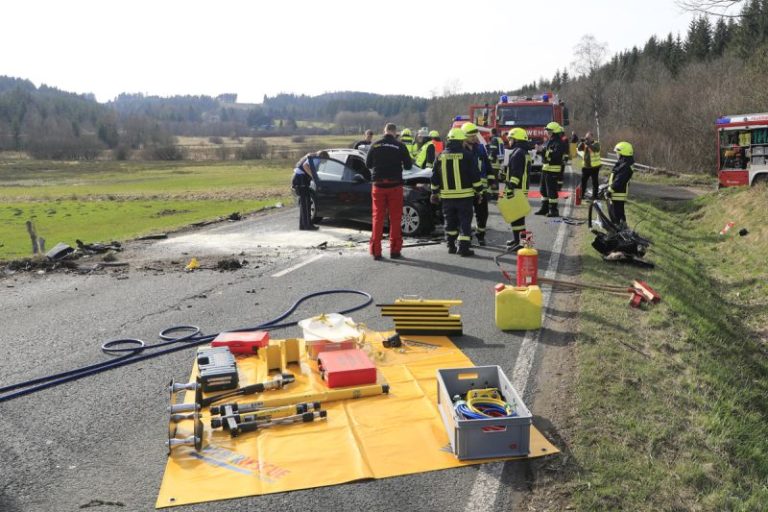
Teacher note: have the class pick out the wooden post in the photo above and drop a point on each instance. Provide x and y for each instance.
(32, 236)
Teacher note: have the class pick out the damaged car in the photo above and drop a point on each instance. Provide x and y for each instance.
(342, 191)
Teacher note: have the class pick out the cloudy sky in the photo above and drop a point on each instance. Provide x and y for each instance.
(252, 48)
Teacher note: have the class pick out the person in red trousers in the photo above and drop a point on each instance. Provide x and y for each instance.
(386, 159)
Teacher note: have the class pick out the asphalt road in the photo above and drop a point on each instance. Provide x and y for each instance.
(99, 440)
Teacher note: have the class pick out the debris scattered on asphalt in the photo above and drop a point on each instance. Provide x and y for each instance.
(235, 216)
(230, 264)
(98, 247)
(192, 265)
(322, 245)
(59, 252)
(159, 236)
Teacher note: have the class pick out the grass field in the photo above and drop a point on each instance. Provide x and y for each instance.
(102, 201)
(682, 426)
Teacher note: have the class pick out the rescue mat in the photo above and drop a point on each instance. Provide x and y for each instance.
(535, 194)
(376, 437)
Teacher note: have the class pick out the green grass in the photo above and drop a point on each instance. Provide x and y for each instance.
(687, 427)
(100, 201)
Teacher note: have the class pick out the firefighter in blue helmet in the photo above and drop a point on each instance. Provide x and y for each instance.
(456, 180)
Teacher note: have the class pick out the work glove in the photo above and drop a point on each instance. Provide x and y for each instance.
(434, 199)
(608, 193)
(479, 197)
(509, 192)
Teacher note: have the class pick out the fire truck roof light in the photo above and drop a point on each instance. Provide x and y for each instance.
(723, 120)
(461, 118)
(545, 98)
(504, 98)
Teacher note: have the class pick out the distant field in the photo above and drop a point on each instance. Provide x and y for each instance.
(316, 141)
(102, 201)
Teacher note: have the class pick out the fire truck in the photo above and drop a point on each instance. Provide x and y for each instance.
(742, 149)
(530, 112)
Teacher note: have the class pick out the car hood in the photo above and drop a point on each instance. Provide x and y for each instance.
(417, 172)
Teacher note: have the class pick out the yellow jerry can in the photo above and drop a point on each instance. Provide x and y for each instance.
(518, 308)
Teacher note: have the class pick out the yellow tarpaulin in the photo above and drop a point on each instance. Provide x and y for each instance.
(375, 437)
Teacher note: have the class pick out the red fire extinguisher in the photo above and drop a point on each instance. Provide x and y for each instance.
(577, 195)
(527, 265)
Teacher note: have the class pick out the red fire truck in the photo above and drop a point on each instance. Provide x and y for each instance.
(742, 149)
(530, 112)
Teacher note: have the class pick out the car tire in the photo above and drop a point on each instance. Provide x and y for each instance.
(417, 220)
(313, 208)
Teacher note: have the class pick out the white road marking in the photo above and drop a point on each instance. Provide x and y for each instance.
(297, 266)
(486, 487)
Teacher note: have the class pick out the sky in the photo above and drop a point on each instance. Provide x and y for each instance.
(253, 48)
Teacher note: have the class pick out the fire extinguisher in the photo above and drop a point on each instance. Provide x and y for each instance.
(527, 265)
(577, 196)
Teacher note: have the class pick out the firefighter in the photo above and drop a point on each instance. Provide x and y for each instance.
(386, 159)
(303, 175)
(618, 182)
(407, 139)
(477, 148)
(589, 150)
(553, 153)
(517, 178)
(428, 150)
(456, 180)
(496, 154)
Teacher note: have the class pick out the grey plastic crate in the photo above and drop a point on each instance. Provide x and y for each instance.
(471, 439)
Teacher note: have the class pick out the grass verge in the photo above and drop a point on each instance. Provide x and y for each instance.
(102, 201)
(684, 426)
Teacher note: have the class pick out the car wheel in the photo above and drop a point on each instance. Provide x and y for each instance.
(313, 208)
(760, 179)
(416, 220)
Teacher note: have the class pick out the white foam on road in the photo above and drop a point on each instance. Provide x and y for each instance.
(486, 487)
(297, 266)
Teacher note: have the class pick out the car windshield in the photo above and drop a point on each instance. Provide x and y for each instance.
(529, 115)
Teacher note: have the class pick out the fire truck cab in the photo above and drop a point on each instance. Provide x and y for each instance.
(742, 149)
(530, 112)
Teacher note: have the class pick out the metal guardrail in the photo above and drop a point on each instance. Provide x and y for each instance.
(641, 167)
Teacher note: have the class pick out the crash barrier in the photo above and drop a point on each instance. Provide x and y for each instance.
(377, 435)
(609, 162)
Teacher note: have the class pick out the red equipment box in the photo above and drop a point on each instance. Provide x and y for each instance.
(246, 342)
(342, 368)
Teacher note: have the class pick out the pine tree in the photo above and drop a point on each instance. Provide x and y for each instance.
(720, 38)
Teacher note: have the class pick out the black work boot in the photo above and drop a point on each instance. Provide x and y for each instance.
(451, 246)
(514, 244)
(544, 208)
(464, 249)
(553, 211)
(480, 237)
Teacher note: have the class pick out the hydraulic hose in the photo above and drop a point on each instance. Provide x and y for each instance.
(132, 348)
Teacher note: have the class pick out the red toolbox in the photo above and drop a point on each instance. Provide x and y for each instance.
(245, 342)
(342, 368)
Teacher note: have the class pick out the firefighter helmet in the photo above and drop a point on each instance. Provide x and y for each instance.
(457, 134)
(518, 134)
(469, 128)
(434, 134)
(554, 127)
(406, 132)
(624, 149)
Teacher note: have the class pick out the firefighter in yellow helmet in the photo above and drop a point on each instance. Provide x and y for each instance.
(429, 150)
(517, 178)
(475, 144)
(456, 180)
(553, 153)
(618, 181)
(410, 144)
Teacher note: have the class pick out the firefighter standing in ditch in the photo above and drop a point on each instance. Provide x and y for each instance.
(517, 178)
(456, 180)
(386, 159)
(477, 148)
(589, 150)
(553, 151)
(618, 182)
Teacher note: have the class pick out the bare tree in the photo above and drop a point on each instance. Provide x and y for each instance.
(589, 56)
(722, 8)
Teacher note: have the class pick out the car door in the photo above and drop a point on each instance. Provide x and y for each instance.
(359, 198)
(340, 194)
